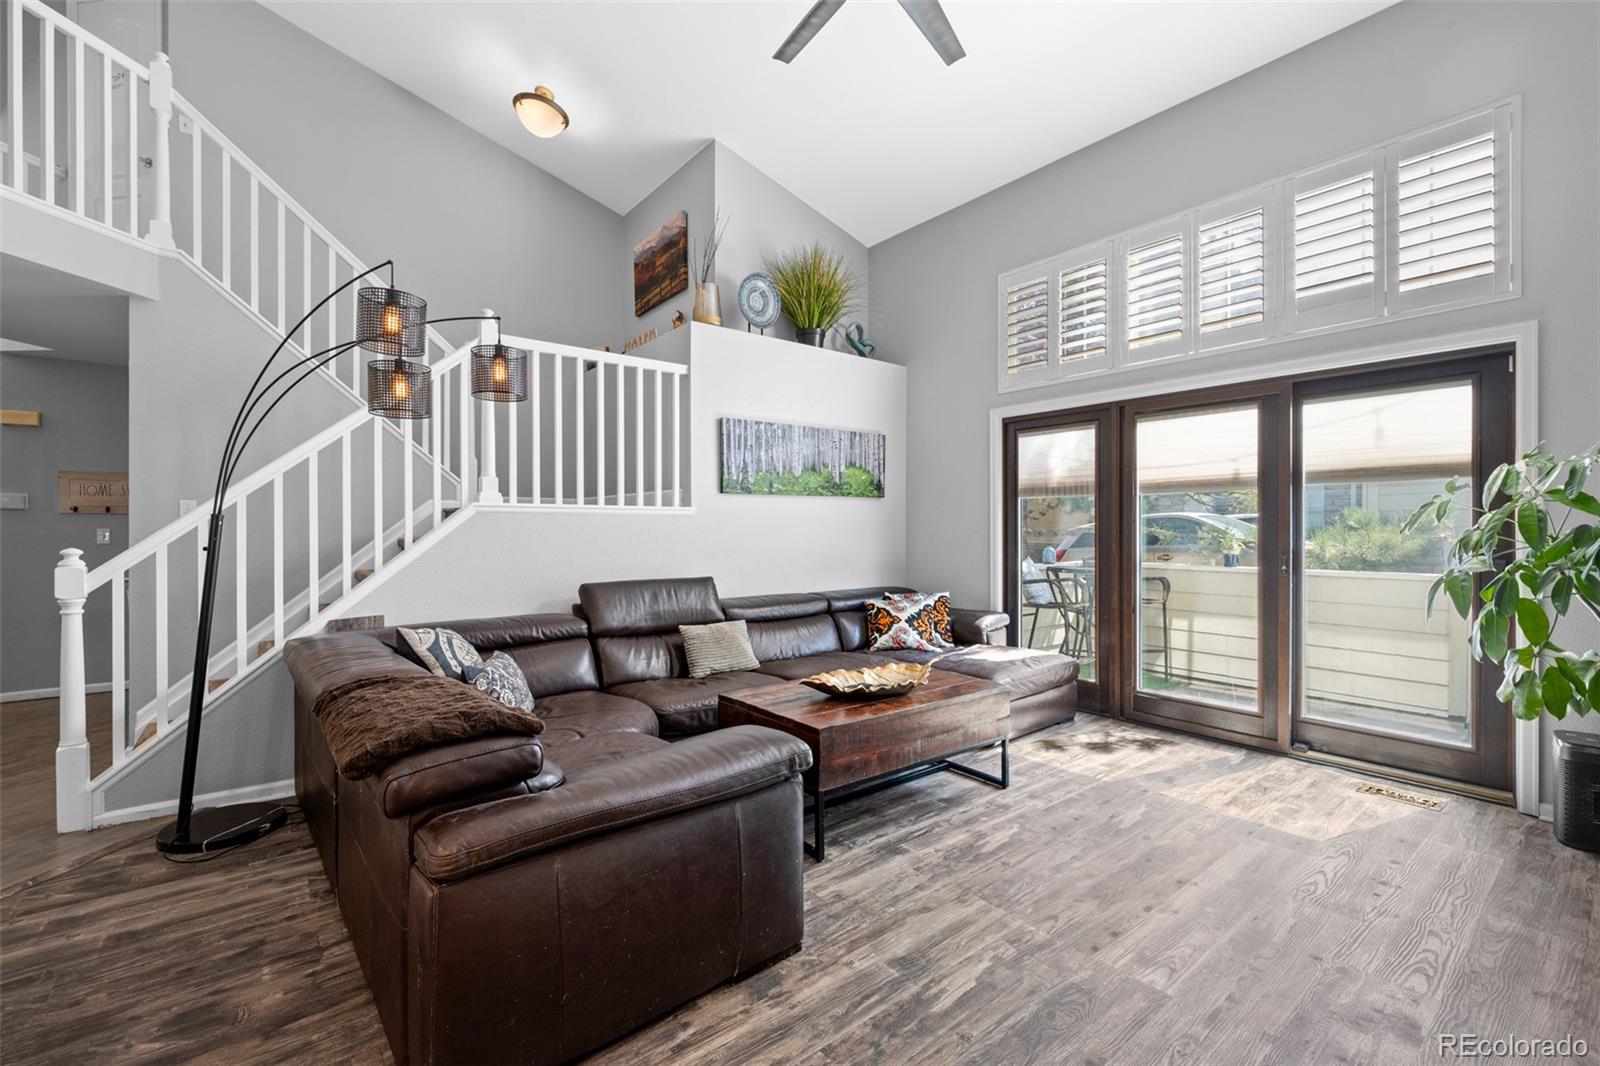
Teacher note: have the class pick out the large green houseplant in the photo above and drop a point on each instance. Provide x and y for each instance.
(815, 289)
(1536, 539)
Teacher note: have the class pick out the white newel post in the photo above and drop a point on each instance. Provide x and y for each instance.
(160, 232)
(72, 752)
(488, 478)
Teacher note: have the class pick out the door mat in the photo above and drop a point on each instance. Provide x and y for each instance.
(1427, 803)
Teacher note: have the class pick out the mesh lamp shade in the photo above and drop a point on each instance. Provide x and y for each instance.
(499, 373)
(391, 322)
(399, 388)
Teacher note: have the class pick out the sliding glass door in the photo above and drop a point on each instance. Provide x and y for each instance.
(1232, 560)
(1380, 679)
(1199, 479)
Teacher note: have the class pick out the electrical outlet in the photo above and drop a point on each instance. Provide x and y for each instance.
(102, 536)
(185, 506)
(13, 501)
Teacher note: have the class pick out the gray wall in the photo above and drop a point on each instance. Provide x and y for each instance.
(468, 223)
(764, 220)
(85, 427)
(690, 188)
(934, 286)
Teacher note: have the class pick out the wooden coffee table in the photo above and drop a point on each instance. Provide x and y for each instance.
(857, 745)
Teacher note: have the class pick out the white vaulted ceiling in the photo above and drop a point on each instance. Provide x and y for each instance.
(866, 125)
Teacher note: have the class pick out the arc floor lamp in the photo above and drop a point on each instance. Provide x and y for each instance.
(393, 325)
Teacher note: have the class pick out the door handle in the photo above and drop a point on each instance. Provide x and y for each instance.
(1283, 564)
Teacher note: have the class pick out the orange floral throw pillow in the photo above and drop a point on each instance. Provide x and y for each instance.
(909, 621)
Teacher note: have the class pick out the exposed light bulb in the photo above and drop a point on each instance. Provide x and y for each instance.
(393, 321)
(400, 387)
(497, 370)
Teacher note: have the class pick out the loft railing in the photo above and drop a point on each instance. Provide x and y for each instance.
(600, 430)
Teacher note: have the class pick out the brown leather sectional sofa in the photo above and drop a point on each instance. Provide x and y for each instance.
(531, 899)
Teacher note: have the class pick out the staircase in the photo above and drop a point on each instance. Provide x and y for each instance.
(316, 530)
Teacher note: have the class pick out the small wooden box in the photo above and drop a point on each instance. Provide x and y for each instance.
(92, 491)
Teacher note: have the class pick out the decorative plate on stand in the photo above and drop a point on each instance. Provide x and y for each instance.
(758, 301)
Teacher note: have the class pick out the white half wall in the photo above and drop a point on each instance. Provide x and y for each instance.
(750, 544)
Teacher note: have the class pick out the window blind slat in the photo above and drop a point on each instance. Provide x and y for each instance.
(1027, 324)
(1334, 236)
(1231, 272)
(1445, 214)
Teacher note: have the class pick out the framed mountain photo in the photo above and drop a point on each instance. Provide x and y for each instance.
(661, 264)
(779, 459)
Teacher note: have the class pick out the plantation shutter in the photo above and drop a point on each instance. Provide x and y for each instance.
(1027, 324)
(1451, 229)
(1084, 304)
(1334, 261)
(1157, 292)
(1233, 266)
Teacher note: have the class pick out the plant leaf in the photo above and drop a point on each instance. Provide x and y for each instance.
(1532, 621)
(1492, 484)
(1561, 594)
(1532, 524)
(1594, 690)
(1505, 596)
(1494, 633)
(1459, 586)
(1578, 501)
(1557, 691)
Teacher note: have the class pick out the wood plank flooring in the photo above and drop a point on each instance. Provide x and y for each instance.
(1137, 897)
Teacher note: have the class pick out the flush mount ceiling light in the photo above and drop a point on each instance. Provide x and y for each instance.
(539, 112)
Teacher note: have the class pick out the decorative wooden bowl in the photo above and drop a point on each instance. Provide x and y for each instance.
(870, 683)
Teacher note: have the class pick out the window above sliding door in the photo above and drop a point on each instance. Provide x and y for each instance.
(1421, 222)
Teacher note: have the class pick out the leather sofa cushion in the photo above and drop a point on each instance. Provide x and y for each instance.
(1022, 671)
(689, 704)
(852, 628)
(775, 608)
(511, 631)
(653, 784)
(556, 666)
(643, 658)
(426, 778)
(791, 638)
(978, 627)
(856, 599)
(571, 715)
(584, 753)
(806, 665)
(328, 660)
(635, 608)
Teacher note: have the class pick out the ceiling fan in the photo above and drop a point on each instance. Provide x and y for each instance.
(927, 14)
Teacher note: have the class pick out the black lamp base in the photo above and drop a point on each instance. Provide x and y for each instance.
(221, 828)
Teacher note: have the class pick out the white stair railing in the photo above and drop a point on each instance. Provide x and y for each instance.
(329, 497)
(601, 430)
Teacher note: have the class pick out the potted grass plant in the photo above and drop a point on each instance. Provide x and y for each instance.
(815, 289)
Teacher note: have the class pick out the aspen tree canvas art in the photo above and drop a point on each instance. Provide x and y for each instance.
(779, 459)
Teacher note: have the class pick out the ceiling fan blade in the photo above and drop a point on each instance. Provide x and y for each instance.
(815, 19)
(931, 20)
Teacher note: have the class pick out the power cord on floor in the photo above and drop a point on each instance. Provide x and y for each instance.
(297, 816)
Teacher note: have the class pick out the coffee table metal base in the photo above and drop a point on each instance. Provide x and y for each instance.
(817, 849)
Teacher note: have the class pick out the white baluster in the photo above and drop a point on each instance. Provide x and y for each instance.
(133, 152)
(106, 123)
(313, 543)
(160, 231)
(283, 272)
(377, 494)
(464, 431)
(277, 560)
(677, 440)
(163, 682)
(19, 175)
(513, 416)
(333, 314)
(557, 438)
(622, 435)
(577, 438)
(346, 496)
(255, 245)
(119, 668)
(241, 587)
(406, 489)
(638, 438)
(47, 169)
(227, 218)
(661, 497)
(71, 589)
(536, 436)
(80, 93)
(599, 433)
(488, 474)
(436, 441)
(305, 289)
(197, 145)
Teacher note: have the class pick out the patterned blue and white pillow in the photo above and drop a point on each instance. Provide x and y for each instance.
(500, 676)
(444, 652)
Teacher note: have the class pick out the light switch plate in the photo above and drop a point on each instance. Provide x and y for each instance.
(185, 506)
(102, 536)
(13, 501)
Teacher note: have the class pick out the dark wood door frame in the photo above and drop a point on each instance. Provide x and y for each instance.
(1488, 762)
(1113, 691)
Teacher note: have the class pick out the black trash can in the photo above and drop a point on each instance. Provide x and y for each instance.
(1577, 807)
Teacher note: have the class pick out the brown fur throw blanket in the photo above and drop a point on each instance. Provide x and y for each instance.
(372, 721)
